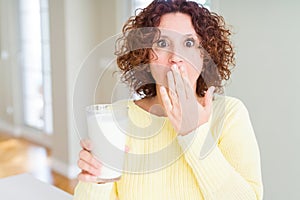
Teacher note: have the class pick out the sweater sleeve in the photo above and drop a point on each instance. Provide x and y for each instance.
(231, 170)
(94, 191)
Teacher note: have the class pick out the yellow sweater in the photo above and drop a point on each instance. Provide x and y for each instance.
(171, 167)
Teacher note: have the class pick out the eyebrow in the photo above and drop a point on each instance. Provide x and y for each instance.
(164, 36)
(184, 35)
(190, 34)
(195, 36)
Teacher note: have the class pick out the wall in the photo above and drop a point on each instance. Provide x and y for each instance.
(266, 79)
(8, 65)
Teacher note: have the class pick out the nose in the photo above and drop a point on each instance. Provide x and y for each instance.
(175, 58)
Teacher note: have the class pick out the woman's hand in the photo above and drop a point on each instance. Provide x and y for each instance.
(89, 165)
(184, 110)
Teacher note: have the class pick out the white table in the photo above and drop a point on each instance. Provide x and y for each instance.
(26, 187)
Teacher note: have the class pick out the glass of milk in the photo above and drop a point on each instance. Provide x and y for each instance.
(105, 122)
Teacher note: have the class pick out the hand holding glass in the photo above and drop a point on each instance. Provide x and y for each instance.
(108, 140)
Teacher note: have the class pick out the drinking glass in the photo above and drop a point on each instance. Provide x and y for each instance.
(105, 132)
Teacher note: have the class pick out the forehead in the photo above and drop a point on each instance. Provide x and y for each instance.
(177, 22)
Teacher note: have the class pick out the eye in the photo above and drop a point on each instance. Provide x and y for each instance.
(189, 42)
(162, 43)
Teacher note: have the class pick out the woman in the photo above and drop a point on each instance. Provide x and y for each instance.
(178, 78)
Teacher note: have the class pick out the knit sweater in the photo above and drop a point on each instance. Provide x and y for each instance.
(220, 160)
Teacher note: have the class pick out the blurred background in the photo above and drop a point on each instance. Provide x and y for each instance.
(44, 42)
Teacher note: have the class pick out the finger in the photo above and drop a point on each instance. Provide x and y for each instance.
(184, 74)
(208, 97)
(86, 144)
(172, 90)
(187, 83)
(165, 99)
(89, 168)
(179, 85)
(89, 158)
(86, 177)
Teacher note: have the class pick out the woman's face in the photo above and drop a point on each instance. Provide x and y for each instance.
(178, 44)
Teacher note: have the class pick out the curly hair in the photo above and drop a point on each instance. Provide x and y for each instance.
(140, 32)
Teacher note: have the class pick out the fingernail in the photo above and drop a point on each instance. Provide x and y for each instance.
(212, 89)
(182, 68)
(169, 73)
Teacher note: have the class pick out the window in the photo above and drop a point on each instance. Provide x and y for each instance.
(35, 64)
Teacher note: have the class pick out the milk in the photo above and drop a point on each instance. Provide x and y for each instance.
(108, 140)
